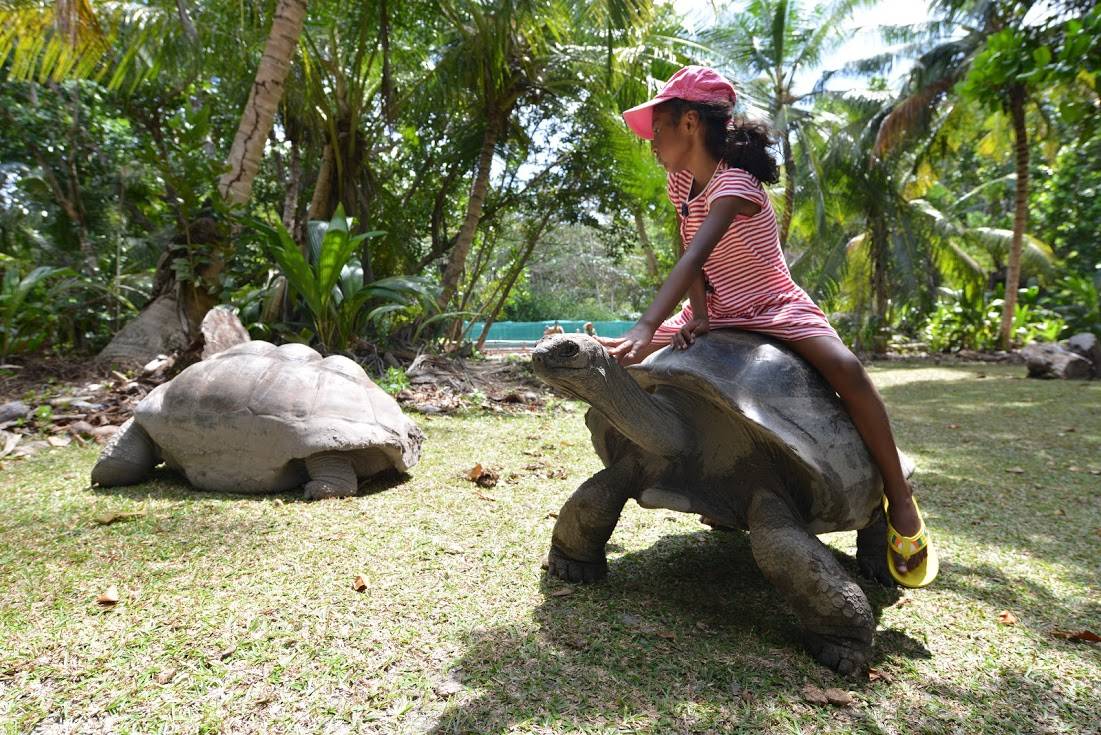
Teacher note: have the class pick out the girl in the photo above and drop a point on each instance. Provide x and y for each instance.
(735, 275)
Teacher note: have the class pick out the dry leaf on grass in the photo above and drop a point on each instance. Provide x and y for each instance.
(667, 635)
(359, 584)
(106, 519)
(1015, 470)
(561, 592)
(1005, 617)
(108, 597)
(836, 697)
(483, 476)
(1085, 636)
(166, 676)
(814, 695)
(879, 675)
(60, 441)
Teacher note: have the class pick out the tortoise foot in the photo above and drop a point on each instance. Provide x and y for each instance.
(320, 490)
(561, 566)
(870, 543)
(846, 656)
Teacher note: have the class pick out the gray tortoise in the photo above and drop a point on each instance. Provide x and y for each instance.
(258, 418)
(738, 429)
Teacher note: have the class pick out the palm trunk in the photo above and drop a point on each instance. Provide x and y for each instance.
(478, 189)
(1020, 214)
(647, 246)
(789, 190)
(879, 282)
(172, 319)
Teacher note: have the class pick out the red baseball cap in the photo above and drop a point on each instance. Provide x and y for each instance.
(692, 83)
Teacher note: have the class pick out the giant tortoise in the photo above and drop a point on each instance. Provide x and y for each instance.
(258, 418)
(742, 431)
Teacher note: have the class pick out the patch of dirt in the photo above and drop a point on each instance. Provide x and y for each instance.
(500, 383)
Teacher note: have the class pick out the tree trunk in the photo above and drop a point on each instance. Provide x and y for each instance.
(478, 189)
(267, 90)
(510, 279)
(320, 204)
(647, 246)
(1017, 97)
(789, 190)
(178, 309)
(879, 282)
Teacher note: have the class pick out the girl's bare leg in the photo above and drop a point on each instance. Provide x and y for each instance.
(847, 376)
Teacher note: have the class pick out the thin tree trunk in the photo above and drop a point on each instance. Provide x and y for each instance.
(267, 90)
(879, 282)
(290, 200)
(789, 190)
(647, 246)
(1017, 97)
(510, 279)
(322, 190)
(465, 239)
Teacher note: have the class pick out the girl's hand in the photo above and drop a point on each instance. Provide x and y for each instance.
(627, 350)
(688, 333)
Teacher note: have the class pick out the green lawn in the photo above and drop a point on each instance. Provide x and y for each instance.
(237, 614)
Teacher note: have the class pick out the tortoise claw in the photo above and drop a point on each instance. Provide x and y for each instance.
(561, 566)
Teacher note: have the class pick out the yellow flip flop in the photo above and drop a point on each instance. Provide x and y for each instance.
(908, 546)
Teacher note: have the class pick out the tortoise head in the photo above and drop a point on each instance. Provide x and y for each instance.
(574, 363)
(578, 365)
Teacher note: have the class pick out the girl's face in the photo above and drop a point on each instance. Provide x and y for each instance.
(673, 142)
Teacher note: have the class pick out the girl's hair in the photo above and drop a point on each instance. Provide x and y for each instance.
(741, 143)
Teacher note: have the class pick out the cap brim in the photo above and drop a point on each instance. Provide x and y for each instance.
(640, 119)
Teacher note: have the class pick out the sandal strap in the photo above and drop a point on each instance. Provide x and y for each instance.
(907, 546)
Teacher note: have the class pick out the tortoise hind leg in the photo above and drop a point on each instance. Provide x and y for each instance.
(331, 476)
(586, 521)
(870, 542)
(128, 458)
(836, 618)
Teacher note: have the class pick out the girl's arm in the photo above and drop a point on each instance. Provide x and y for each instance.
(688, 268)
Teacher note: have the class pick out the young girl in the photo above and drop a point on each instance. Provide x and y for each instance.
(734, 273)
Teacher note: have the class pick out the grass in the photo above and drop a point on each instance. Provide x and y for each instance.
(237, 614)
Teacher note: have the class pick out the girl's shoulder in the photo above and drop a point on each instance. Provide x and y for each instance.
(735, 182)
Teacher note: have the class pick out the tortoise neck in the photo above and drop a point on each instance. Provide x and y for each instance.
(636, 414)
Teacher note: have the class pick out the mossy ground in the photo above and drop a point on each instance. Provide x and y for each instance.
(237, 614)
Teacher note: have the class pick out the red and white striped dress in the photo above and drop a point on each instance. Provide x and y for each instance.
(748, 282)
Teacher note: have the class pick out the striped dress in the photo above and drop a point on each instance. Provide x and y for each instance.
(747, 280)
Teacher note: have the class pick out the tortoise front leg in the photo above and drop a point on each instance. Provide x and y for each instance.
(837, 620)
(331, 476)
(587, 520)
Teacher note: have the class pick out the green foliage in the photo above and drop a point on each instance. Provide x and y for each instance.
(331, 285)
(962, 321)
(1077, 299)
(393, 381)
(25, 307)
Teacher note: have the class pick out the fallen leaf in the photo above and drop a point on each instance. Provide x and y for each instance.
(1072, 468)
(10, 442)
(552, 514)
(1005, 617)
(447, 688)
(483, 476)
(814, 695)
(1086, 636)
(953, 426)
(562, 592)
(108, 597)
(359, 584)
(1015, 470)
(106, 519)
(879, 675)
(839, 697)
(904, 602)
(474, 473)
(166, 676)
(483, 496)
(667, 635)
(60, 441)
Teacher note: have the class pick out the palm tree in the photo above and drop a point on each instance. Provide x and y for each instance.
(775, 40)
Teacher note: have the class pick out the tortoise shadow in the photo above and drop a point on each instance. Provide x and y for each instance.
(691, 618)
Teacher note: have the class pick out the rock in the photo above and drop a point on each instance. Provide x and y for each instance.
(13, 410)
(221, 330)
(1048, 360)
(1088, 346)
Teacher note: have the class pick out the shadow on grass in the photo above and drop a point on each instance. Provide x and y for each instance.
(688, 620)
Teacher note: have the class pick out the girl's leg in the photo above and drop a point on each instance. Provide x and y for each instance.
(847, 376)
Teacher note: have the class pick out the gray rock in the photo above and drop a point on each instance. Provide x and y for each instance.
(1049, 360)
(13, 410)
(1088, 346)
